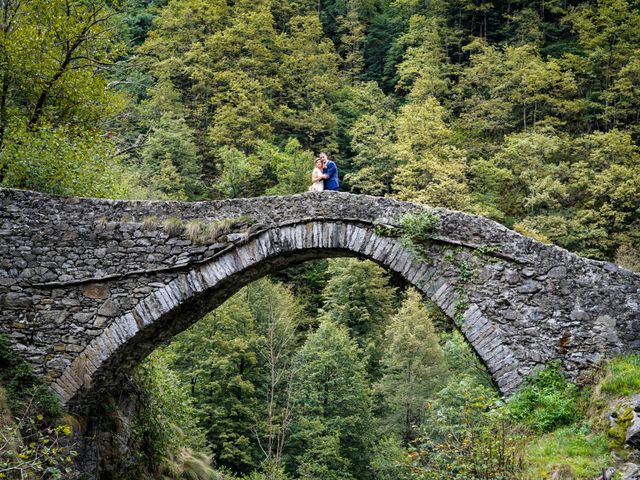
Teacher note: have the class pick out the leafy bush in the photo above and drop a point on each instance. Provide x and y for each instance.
(467, 436)
(32, 448)
(34, 443)
(416, 228)
(23, 387)
(462, 360)
(391, 461)
(61, 161)
(168, 441)
(547, 400)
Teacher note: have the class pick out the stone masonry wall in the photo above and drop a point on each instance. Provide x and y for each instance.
(89, 287)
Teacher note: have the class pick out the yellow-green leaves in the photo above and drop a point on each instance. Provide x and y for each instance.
(55, 102)
(433, 170)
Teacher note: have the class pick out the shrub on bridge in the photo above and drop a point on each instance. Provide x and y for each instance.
(416, 228)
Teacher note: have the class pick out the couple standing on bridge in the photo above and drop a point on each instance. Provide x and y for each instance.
(324, 175)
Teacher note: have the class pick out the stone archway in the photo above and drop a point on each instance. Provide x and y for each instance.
(90, 287)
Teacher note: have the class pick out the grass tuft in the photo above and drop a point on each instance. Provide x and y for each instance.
(220, 227)
(195, 231)
(622, 377)
(188, 465)
(572, 453)
(173, 226)
(149, 223)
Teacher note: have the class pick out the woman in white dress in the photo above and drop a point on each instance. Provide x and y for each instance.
(317, 177)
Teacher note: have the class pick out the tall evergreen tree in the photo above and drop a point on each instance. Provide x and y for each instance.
(414, 367)
(331, 430)
(359, 297)
(171, 144)
(219, 358)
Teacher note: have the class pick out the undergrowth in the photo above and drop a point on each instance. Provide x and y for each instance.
(622, 376)
(571, 435)
(34, 439)
(547, 401)
(23, 387)
(166, 451)
(573, 451)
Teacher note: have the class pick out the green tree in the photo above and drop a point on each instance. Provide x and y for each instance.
(414, 367)
(608, 33)
(218, 357)
(515, 87)
(354, 102)
(462, 360)
(432, 170)
(622, 98)
(278, 316)
(352, 42)
(237, 362)
(60, 161)
(424, 60)
(242, 175)
(308, 76)
(359, 297)
(292, 167)
(171, 146)
(391, 461)
(51, 54)
(576, 191)
(54, 100)
(331, 430)
(373, 140)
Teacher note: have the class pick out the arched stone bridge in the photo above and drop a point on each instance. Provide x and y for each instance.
(90, 287)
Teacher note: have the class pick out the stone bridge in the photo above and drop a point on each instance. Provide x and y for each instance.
(89, 287)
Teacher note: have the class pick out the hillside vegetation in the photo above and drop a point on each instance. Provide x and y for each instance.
(524, 111)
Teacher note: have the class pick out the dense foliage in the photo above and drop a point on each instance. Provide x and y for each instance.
(522, 111)
(34, 437)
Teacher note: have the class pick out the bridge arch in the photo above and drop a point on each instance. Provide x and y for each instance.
(89, 287)
(184, 300)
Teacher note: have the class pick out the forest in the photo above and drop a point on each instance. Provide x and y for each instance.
(523, 111)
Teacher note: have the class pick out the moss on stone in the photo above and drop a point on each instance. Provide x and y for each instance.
(621, 422)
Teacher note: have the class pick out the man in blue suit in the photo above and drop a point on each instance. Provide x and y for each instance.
(330, 170)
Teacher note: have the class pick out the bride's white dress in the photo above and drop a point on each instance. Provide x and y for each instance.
(317, 186)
